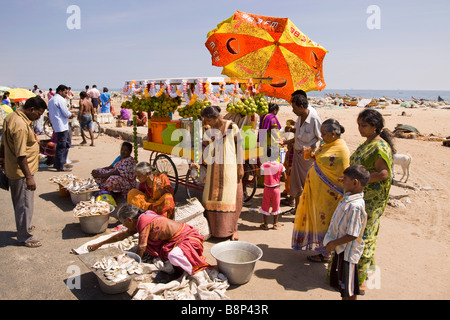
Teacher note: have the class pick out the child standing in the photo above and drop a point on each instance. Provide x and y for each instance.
(273, 172)
(289, 201)
(345, 233)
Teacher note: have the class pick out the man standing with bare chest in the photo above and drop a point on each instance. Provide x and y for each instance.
(86, 116)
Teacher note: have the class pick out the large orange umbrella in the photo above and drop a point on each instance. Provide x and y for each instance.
(253, 46)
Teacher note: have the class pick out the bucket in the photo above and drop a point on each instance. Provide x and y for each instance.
(167, 134)
(236, 259)
(96, 224)
(110, 287)
(157, 126)
(250, 138)
(82, 196)
(194, 129)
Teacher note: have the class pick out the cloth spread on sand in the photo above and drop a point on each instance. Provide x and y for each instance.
(205, 285)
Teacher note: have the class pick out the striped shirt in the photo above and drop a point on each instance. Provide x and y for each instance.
(349, 218)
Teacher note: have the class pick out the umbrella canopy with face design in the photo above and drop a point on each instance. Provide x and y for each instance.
(254, 46)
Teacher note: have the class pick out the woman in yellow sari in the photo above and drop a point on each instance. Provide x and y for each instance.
(322, 192)
(155, 192)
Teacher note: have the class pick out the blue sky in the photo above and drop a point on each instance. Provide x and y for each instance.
(125, 40)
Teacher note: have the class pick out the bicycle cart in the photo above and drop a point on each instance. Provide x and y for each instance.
(194, 178)
(163, 155)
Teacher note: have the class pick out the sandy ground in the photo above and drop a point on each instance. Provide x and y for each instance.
(413, 245)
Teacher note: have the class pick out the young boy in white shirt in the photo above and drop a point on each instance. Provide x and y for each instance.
(345, 233)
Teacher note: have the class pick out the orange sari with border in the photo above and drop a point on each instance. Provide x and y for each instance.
(150, 198)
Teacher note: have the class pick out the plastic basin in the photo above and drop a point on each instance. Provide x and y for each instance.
(236, 259)
(110, 287)
(82, 196)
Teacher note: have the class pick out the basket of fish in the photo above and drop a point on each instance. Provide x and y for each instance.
(79, 189)
(82, 190)
(115, 269)
(93, 215)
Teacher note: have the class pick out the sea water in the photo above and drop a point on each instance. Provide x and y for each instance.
(391, 94)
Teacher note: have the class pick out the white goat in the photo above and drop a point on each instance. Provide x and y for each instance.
(404, 160)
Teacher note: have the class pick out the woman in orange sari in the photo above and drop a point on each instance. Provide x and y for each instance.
(155, 192)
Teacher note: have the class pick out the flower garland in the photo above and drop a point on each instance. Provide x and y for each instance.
(136, 154)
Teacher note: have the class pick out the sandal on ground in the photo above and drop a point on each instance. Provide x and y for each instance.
(318, 258)
(31, 229)
(362, 289)
(277, 226)
(264, 226)
(285, 202)
(291, 212)
(32, 244)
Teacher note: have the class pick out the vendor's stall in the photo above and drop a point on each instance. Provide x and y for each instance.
(162, 97)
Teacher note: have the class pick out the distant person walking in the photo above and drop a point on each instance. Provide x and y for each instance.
(19, 156)
(35, 89)
(59, 116)
(105, 98)
(85, 117)
(50, 94)
(94, 94)
(38, 125)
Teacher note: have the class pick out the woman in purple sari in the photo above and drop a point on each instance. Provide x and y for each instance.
(269, 131)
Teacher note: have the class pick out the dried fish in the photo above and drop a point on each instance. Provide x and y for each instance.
(74, 184)
(91, 208)
(119, 267)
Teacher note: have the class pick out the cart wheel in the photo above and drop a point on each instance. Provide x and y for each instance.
(195, 182)
(95, 129)
(165, 165)
(152, 156)
(249, 182)
(48, 128)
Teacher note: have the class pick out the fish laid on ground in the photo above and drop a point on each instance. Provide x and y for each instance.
(119, 267)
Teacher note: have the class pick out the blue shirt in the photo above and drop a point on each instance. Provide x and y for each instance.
(104, 97)
(58, 113)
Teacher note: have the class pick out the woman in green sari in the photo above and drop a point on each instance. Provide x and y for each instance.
(376, 155)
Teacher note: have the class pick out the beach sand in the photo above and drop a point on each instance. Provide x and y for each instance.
(413, 245)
